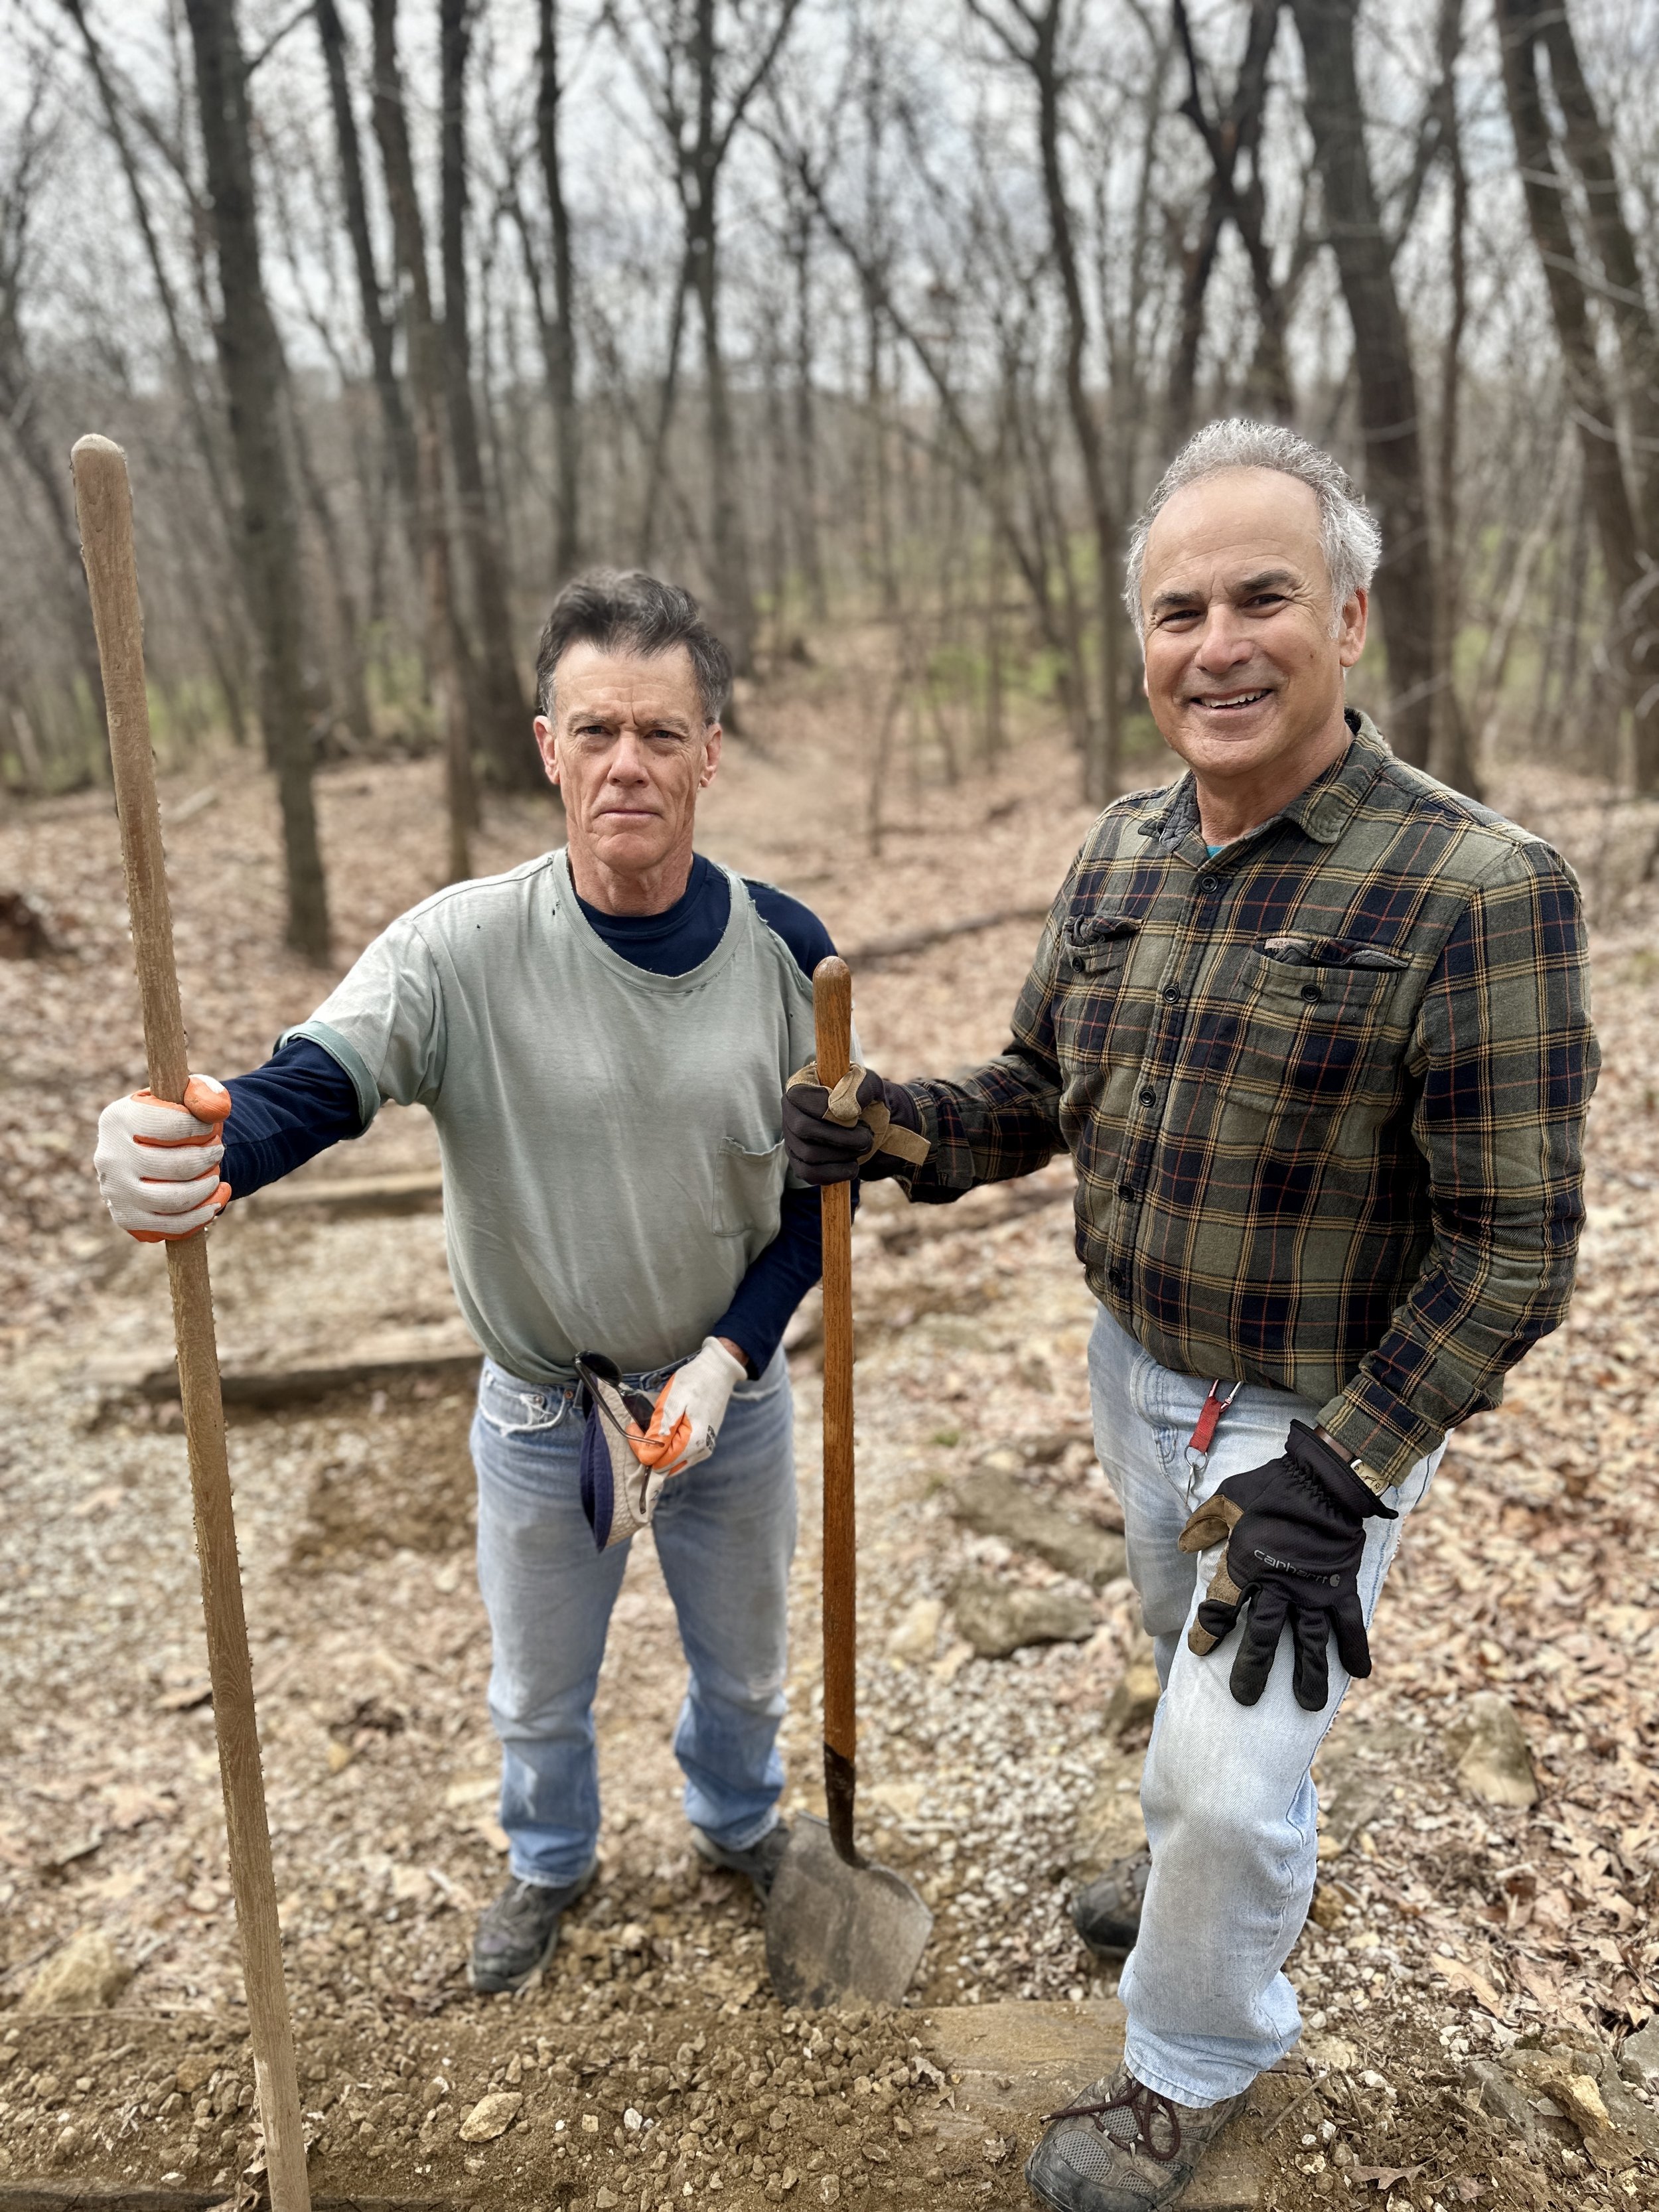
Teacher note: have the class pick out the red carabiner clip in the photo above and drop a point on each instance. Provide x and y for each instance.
(1204, 1429)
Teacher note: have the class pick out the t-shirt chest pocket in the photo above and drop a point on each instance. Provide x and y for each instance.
(1318, 1021)
(1094, 953)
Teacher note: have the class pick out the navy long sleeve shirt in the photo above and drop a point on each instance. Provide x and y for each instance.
(302, 1100)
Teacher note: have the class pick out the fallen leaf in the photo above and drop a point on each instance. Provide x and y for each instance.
(1383, 2177)
(1463, 1976)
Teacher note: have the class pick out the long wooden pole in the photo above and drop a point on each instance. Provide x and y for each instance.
(832, 1020)
(103, 502)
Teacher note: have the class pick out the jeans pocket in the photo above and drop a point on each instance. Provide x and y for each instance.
(511, 1408)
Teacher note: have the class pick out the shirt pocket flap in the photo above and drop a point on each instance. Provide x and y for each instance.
(1326, 991)
(1097, 943)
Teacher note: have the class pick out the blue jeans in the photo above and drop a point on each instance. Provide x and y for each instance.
(1230, 1808)
(724, 1534)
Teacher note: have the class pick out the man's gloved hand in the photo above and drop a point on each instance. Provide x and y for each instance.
(864, 1126)
(158, 1164)
(689, 1408)
(1295, 1531)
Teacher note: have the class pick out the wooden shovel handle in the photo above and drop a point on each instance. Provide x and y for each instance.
(103, 500)
(832, 1018)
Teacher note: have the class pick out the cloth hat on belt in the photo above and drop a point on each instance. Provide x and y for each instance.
(890, 1136)
(619, 1495)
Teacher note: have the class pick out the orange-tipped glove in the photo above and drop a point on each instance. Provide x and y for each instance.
(158, 1164)
(689, 1408)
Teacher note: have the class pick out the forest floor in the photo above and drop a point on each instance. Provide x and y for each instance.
(1469, 1969)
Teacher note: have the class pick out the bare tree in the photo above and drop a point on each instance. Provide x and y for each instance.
(426, 376)
(501, 720)
(20, 392)
(1626, 513)
(559, 329)
(1390, 426)
(1033, 37)
(677, 52)
(251, 363)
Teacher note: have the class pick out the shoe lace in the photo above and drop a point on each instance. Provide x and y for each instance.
(1153, 2114)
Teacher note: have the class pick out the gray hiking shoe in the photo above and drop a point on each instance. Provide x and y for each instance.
(1122, 2147)
(1107, 1913)
(759, 1862)
(516, 1935)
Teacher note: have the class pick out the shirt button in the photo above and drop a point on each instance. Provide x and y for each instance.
(1118, 1277)
(1312, 991)
(1125, 1190)
(1172, 990)
(1209, 885)
(1149, 1097)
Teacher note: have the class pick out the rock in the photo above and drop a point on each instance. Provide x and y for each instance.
(1495, 2093)
(993, 1503)
(491, 2117)
(998, 1621)
(1134, 1697)
(88, 1972)
(1109, 1826)
(1495, 1765)
(606, 2199)
(1334, 2052)
(915, 1638)
(1640, 2056)
(194, 2071)
(1588, 2089)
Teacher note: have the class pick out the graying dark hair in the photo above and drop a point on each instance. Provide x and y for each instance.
(1347, 529)
(626, 609)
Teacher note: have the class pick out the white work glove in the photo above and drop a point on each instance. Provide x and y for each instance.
(689, 1408)
(158, 1164)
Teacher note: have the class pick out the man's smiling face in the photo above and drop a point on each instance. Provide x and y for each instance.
(629, 747)
(1244, 653)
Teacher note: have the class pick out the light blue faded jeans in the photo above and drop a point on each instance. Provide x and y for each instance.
(724, 1534)
(1230, 1809)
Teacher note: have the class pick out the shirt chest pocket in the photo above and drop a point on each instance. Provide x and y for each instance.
(1094, 956)
(748, 1190)
(1320, 1032)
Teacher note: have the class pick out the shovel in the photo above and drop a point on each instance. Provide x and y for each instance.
(103, 502)
(839, 1929)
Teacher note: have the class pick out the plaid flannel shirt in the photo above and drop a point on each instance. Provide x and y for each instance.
(1325, 1089)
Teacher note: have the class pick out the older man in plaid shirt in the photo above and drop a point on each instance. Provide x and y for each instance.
(1316, 1030)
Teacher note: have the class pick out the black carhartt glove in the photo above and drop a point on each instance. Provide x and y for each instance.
(866, 1126)
(1295, 1532)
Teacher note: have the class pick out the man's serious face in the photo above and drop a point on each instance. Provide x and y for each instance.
(1244, 659)
(629, 747)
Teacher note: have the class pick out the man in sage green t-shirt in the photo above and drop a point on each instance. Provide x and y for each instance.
(602, 1038)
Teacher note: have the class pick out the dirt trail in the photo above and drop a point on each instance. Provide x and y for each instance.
(1449, 1934)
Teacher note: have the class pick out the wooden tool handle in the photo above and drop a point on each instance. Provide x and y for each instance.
(832, 1019)
(103, 502)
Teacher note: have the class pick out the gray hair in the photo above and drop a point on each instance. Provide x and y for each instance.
(1347, 529)
(625, 610)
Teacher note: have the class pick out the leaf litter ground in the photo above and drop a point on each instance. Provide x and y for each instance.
(653, 2066)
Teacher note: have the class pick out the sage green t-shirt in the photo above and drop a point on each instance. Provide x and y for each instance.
(611, 1140)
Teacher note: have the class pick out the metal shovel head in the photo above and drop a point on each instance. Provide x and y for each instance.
(836, 1933)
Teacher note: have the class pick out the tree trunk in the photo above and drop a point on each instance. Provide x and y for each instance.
(501, 720)
(426, 378)
(377, 324)
(561, 329)
(1389, 421)
(1618, 523)
(733, 595)
(1454, 752)
(251, 360)
(1104, 732)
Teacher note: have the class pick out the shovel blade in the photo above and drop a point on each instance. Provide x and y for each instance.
(836, 1934)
